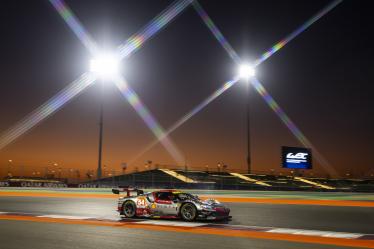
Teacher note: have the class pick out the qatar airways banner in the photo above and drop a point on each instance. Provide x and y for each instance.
(4, 184)
(296, 158)
(33, 184)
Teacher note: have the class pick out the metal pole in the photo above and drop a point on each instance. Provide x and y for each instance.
(248, 129)
(152, 174)
(100, 132)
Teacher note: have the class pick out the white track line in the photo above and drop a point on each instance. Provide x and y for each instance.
(316, 233)
(69, 217)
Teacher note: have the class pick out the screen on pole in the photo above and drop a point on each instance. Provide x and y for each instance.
(296, 158)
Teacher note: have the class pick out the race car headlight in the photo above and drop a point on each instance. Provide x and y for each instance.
(207, 207)
(213, 201)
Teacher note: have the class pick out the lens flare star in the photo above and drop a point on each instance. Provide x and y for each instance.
(131, 45)
(246, 71)
(103, 65)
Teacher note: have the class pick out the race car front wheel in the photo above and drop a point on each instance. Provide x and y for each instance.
(129, 209)
(188, 212)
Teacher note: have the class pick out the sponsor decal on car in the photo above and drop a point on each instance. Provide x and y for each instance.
(141, 202)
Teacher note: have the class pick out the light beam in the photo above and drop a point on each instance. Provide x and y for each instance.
(136, 41)
(188, 116)
(216, 32)
(297, 32)
(100, 65)
(74, 24)
(246, 71)
(47, 109)
(291, 125)
(150, 121)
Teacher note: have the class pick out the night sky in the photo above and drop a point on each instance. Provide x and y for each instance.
(323, 79)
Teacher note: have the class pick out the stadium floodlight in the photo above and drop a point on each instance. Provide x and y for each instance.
(105, 65)
(246, 71)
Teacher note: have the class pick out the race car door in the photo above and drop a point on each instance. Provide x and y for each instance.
(164, 204)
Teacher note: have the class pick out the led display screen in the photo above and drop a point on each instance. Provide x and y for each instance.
(296, 158)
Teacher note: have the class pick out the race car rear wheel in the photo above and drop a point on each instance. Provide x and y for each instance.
(129, 209)
(188, 212)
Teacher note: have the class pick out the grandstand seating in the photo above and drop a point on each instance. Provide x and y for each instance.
(161, 178)
(220, 180)
(151, 178)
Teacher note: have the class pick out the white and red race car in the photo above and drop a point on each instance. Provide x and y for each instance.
(168, 204)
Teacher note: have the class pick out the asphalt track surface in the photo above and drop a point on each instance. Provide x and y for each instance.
(329, 218)
(17, 235)
(27, 234)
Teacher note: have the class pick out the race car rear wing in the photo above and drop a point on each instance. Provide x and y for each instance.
(127, 191)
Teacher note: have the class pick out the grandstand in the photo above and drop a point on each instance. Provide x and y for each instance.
(158, 178)
(362, 185)
(168, 178)
(190, 179)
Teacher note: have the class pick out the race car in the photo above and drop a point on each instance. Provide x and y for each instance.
(168, 204)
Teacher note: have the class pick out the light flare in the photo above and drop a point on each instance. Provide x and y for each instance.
(295, 33)
(186, 117)
(269, 100)
(105, 65)
(136, 41)
(291, 125)
(72, 21)
(47, 109)
(216, 32)
(150, 121)
(246, 71)
(125, 50)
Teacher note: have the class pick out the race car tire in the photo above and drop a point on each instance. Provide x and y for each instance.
(129, 209)
(188, 212)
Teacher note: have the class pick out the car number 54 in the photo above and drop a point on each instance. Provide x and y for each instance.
(141, 202)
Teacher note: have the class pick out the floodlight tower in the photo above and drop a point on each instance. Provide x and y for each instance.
(246, 71)
(106, 66)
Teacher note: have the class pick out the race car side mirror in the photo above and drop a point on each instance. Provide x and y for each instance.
(115, 191)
